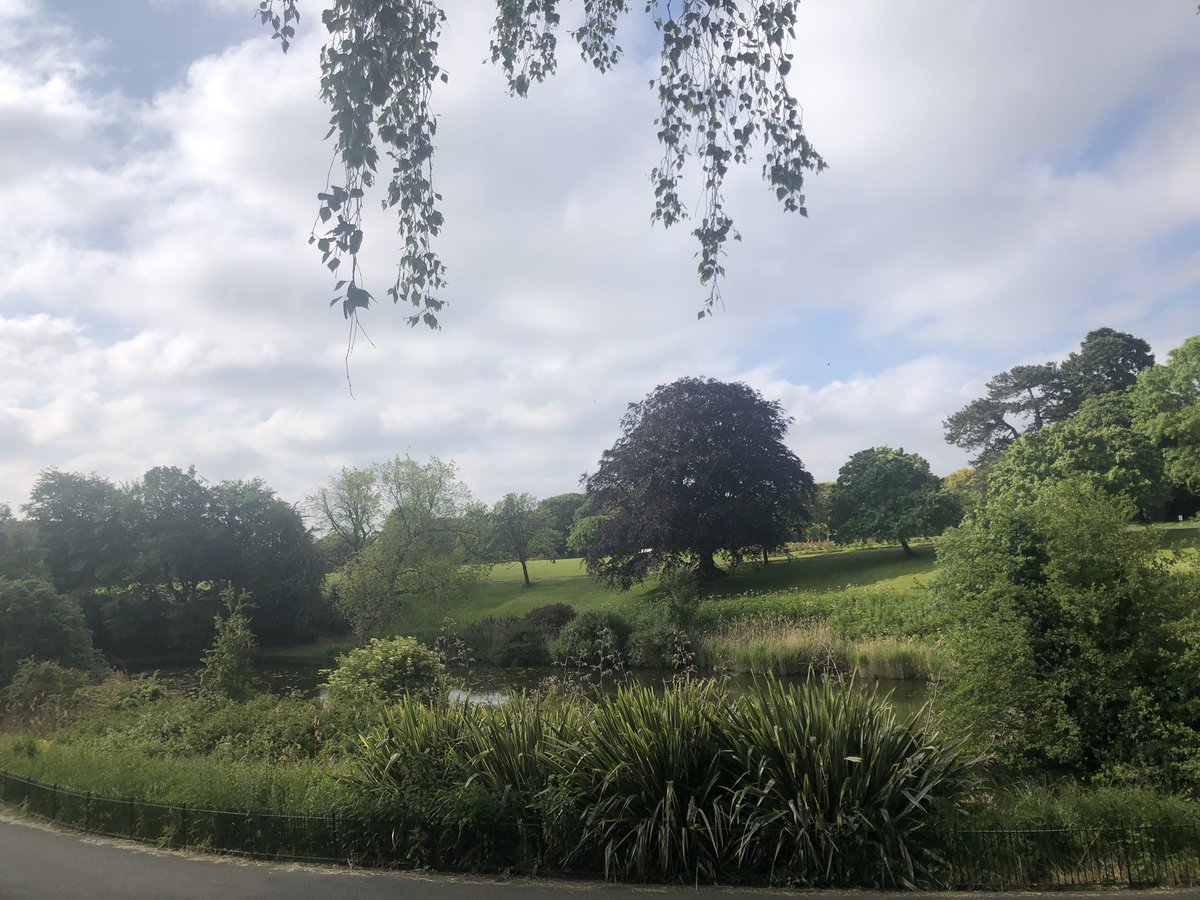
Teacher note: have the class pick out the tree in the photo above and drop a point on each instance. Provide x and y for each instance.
(87, 526)
(267, 552)
(1027, 398)
(560, 513)
(349, 506)
(722, 88)
(1097, 445)
(1108, 361)
(1166, 408)
(421, 497)
(178, 533)
(890, 494)
(37, 622)
(1075, 645)
(226, 672)
(701, 469)
(968, 485)
(380, 586)
(520, 530)
(21, 550)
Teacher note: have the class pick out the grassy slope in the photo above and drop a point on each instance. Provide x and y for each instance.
(504, 594)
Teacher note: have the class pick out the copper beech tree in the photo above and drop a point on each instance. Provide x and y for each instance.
(700, 470)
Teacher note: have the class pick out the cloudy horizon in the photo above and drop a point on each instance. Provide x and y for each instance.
(1001, 182)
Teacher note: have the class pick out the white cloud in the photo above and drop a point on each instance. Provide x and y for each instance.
(1002, 181)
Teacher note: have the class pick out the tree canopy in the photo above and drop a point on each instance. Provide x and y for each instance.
(152, 557)
(521, 530)
(700, 469)
(1097, 445)
(1029, 397)
(1076, 646)
(884, 493)
(1166, 408)
(721, 85)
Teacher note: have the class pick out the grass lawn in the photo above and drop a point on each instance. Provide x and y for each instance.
(503, 593)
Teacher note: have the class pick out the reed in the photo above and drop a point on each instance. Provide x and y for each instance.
(786, 647)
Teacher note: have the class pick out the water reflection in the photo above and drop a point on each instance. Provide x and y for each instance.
(490, 686)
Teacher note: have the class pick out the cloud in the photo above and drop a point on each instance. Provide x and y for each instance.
(1001, 183)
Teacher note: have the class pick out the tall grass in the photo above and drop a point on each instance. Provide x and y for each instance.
(787, 647)
(816, 784)
(308, 787)
(855, 611)
(836, 788)
(651, 768)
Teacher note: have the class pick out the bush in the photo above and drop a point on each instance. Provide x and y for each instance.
(226, 672)
(816, 784)
(650, 777)
(654, 641)
(596, 641)
(383, 670)
(41, 693)
(838, 788)
(550, 619)
(36, 622)
(524, 645)
(1077, 646)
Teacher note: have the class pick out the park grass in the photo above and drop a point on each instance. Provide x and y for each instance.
(807, 571)
(503, 593)
(303, 786)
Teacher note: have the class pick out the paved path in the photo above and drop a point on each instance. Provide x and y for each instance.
(38, 862)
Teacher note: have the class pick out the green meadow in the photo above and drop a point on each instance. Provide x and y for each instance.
(502, 592)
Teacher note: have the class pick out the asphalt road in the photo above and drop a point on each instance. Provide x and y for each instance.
(38, 862)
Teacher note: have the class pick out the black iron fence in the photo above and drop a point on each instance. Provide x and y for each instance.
(1134, 856)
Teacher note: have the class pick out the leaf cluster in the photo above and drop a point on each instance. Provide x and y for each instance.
(722, 88)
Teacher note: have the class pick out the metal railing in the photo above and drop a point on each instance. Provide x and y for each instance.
(1117, 856)
(1133, 856)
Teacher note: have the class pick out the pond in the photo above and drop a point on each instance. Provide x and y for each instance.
(493, 685)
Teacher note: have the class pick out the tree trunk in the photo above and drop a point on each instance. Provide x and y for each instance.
(525, 572)
(904, 544)
(765, 560)
(708, 566)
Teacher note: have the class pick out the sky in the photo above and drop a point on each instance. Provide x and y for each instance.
(1004, 177)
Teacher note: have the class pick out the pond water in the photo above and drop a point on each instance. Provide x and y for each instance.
(493, 685)
(489, 685)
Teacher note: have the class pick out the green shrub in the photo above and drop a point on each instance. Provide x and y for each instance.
(36, 622)
(551, 618)
(122, 692)
(649, 774)
(41, 693)
(653, 641)
(1077, 647)
(226, 671)
(383, 670)
(596, 641)
(525, 645)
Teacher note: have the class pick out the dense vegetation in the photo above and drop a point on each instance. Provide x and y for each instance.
(1060, 635)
